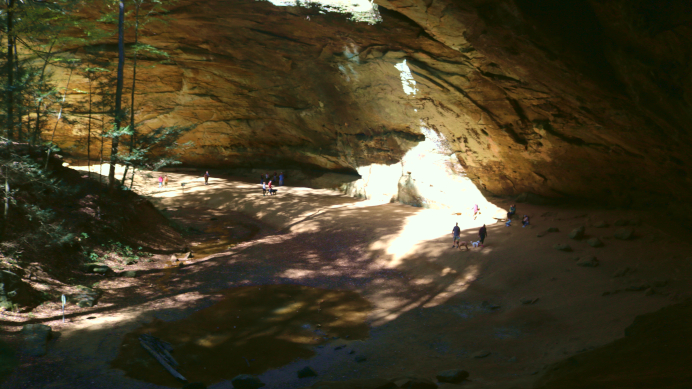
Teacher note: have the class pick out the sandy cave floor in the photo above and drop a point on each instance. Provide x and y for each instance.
(433, 307)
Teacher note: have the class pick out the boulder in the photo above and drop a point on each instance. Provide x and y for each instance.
(594, 242)
(588, 261)
(484, 353)
(553, 229)
(622, 271)
(454, 376)
(87, 297)
(414, 383)
(624, 233)
(601, 224)
(97, 268)
(306, 372)
(36, 337)
(562, 247)
(638, 286)
(246, 381)
(14, 291)
(577, 233)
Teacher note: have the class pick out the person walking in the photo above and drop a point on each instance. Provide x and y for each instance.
(456, 233)
(281, 179)
(269, 186)
(275, 177)
(475, 211)
(160, 181)
(264, 188)
(165, 180)
(206, 178)
(482, 233)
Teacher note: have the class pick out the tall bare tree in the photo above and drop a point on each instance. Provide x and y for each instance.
(118, 96)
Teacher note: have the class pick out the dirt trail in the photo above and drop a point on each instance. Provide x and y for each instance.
(433, 307)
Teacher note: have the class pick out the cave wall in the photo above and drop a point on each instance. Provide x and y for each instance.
(577, 98)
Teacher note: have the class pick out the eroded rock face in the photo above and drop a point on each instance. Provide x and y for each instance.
(578, 98)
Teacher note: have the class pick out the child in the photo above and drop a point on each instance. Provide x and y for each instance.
(160, 181)
(525, 221)
(165, 180)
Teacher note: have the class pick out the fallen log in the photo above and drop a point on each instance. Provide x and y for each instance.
(162, 360)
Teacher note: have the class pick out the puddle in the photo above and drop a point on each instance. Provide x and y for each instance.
(223, 237)
(251, 330)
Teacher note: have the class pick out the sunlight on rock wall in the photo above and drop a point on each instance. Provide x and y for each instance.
(429, 176)
(360, 10)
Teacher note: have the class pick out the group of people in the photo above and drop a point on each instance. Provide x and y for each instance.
(512, 210)
(483, 231)
(267, 184)
(456, 231)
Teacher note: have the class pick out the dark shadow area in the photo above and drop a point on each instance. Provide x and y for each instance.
(653, 354)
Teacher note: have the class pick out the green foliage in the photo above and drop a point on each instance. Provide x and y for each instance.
(118, 251)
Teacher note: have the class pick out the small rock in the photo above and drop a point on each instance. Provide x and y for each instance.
(246, 381)
(337, 348)
(454, 376)
(562, 247)
(36, 337)
(621, 223)
(660, 283)
(541, 234)
(352, 352)
(360, 358)
(512, 359)
(553, 229)
(635, 222)
(594, 242)
(649, 292)
(601, 224)
(622, 271)
(624, 233)
(129, 274)
(529, 300)
(637, 286)
(588, 261)
(195, 385)
(483, 353)
(413, 383)
(306, 372)
(577, 233)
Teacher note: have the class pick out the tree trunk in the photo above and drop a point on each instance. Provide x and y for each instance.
(10, 71)
(37, 130)
(122, 182)
(134, 81)
(118, 96)
(132, 178)
(21, 104)
(89, 131)
(62, 103)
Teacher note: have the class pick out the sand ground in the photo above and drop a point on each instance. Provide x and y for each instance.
(434, 307)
